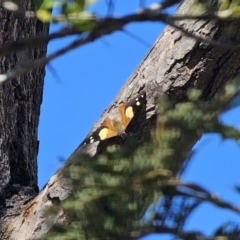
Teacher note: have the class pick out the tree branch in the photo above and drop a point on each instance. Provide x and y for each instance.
(103, 27)
(184, 235)
(194, 190)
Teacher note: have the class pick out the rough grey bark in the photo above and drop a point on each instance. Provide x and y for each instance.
(175, 64)
(20, 101)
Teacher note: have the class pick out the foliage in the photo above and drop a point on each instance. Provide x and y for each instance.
(225, 8)
(77, 18)
(111, 194)
(125, 197)
(78, 14)
(70, 12)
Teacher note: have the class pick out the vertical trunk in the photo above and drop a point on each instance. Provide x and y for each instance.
(20, 101)
(175, 64)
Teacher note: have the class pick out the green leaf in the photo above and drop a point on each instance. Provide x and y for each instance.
(223, 5)
(236, 11)
(44, 15)
(47, 4)
(80, 4)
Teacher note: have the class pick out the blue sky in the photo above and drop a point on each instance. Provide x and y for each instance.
(90, 79)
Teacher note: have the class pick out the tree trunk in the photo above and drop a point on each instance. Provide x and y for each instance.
(175, 64)
(20, 101)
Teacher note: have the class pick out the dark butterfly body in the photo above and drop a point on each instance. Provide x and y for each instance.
(114, 127)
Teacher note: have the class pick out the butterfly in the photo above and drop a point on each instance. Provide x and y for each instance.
(114, 127)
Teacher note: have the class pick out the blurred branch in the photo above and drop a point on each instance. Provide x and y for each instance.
(33, 42)
(109, 25)
(176, 188)
(194, 190)
(103, 27)
(184, 235)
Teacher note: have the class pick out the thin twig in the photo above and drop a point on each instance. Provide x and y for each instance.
(103, 27)
(199, 192)
(113, 24)
(183, 235)
(35, 41)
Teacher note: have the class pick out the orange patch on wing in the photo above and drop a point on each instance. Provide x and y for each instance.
(115, 127)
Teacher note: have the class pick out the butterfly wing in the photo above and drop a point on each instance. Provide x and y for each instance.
(125, 119)
(108, 130)
(136, 102)
(112, 127)
(93, 138)
(104, 132)
(129, 109)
